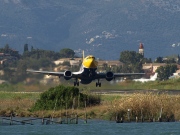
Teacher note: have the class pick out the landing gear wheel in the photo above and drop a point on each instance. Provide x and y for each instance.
(98, 84)
(76, 83)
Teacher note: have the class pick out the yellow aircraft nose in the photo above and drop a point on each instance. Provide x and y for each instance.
(90, 62)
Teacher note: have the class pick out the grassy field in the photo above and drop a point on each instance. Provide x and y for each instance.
(159, 85)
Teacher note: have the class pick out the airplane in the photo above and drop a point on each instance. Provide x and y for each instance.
(152, 78)
(87, 73)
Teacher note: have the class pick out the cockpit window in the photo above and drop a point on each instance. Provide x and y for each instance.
(90, 57)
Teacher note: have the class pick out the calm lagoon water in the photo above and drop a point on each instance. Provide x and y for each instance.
(94, 127)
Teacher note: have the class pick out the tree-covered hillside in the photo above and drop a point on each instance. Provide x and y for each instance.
(13, 65)
(94, 26)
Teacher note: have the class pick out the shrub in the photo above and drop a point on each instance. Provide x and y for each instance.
(61, 97)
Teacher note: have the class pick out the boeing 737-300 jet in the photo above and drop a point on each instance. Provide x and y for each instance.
(87, 73)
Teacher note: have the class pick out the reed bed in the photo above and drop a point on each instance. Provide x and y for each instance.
(17, 103)
(148, 105)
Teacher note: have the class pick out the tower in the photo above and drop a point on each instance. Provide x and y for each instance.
(141, 49)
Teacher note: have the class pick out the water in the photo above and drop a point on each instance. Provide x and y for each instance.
(94, 127)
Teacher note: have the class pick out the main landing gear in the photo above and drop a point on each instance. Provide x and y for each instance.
(98, 83)
(76, 83)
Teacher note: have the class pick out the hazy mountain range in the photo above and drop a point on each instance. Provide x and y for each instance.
(103, 28)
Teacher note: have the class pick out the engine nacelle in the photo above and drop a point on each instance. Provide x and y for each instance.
(109, 76)
(67, 75)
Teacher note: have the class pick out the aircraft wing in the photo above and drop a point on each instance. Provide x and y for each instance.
(103, 75)
(127, 74)
(47, 72)
(59, 74)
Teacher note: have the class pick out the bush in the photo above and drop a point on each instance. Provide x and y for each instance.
(61, 97)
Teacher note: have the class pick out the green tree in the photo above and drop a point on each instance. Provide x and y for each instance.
(6, 48)
(45, 62)
(10, 51)
(146, 60)
(67, 53)
(130, 57)
(32, 48)
(26, 48)
(164, 72)
(8, 74)
(20, 73)
(178, 59)
(132, 61)
(38, 54)
(170, 61)
(159, 60)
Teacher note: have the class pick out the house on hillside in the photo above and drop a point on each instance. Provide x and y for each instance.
(7, 58)
(1, 72)
(176, 74)
(150, 68)
(112, 63)
(73, 62)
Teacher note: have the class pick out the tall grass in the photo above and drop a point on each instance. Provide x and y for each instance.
(18, 103)
(148, 105)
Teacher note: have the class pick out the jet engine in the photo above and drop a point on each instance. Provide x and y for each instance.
(109, 76)
(67, 75)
